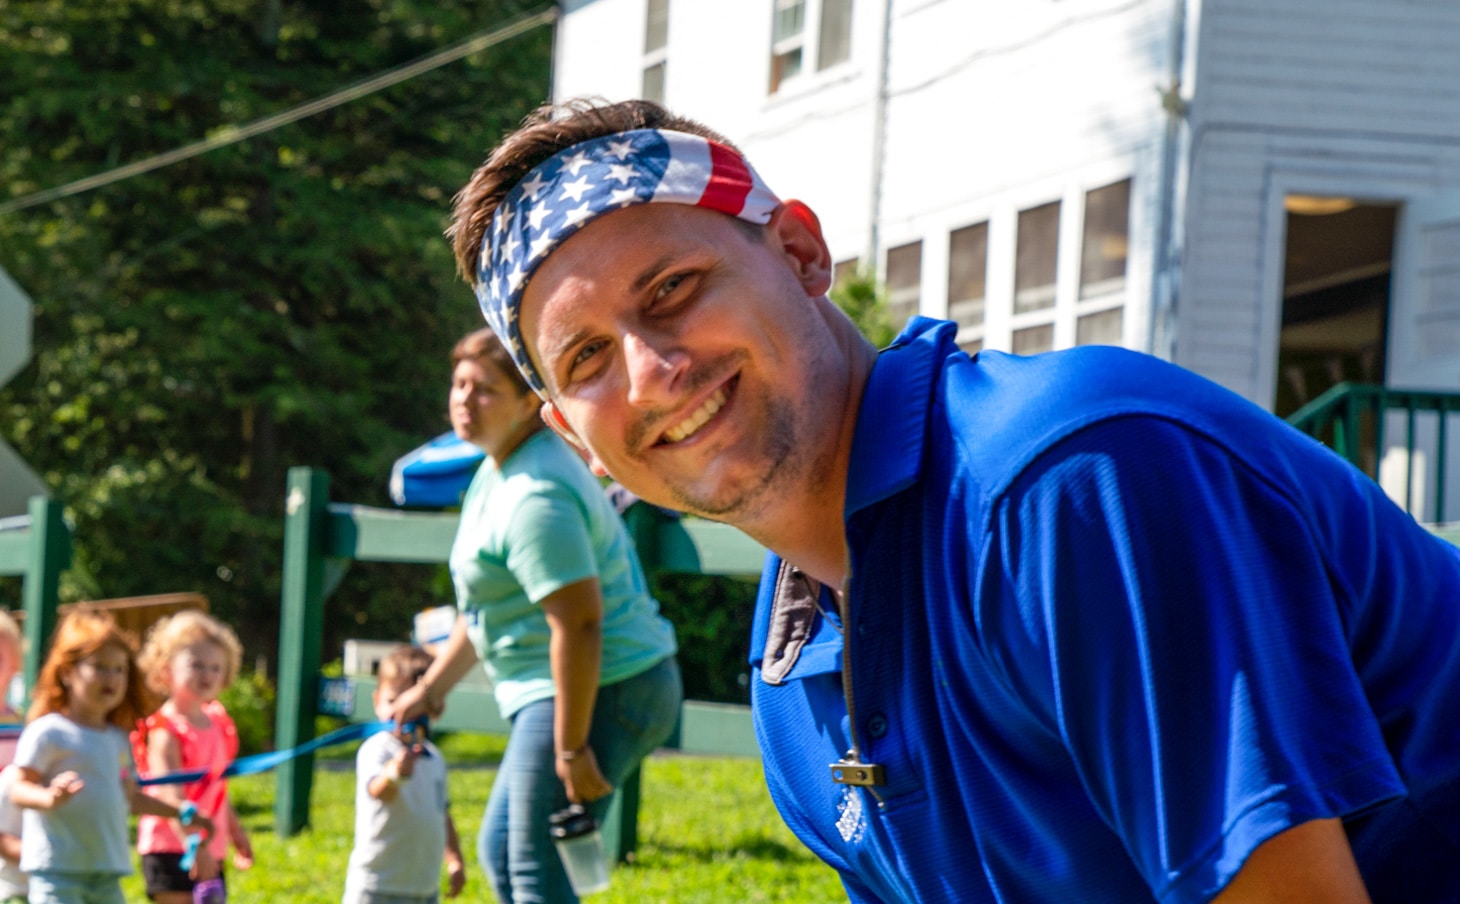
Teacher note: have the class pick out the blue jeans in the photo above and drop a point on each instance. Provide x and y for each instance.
(630, 719)
(75, 888)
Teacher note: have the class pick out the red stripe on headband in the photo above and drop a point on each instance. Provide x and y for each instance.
(730, 181)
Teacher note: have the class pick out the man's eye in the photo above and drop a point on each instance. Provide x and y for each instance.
(581, 366)
(586, 352)
(671, 285)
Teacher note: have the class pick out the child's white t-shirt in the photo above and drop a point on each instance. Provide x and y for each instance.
(398, 845)
(87, 833)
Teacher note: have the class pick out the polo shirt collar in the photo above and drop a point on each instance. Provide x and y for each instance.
(788, 640)
(887, 447)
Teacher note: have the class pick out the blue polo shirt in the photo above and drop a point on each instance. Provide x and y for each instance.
(1112, 627)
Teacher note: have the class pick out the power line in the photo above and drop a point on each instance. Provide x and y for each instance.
(233, 134)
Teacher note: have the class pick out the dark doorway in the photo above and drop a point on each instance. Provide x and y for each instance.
(1335, 297)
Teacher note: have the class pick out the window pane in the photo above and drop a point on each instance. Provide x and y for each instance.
(1034, 340)
(1107, 222)
(835, 45)
(904, 279)
(654, 83)
(1036, 256)
(968, 252)
(656, 27)
(843, 271)
(1103, 328)
(972, 346)
(783, 66)
(790, 17)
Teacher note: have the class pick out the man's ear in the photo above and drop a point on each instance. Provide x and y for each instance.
(797, 233)
(559, 425)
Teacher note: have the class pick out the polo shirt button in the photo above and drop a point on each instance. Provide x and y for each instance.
(877, 725)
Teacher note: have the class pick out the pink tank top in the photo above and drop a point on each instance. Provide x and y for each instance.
(202, 748)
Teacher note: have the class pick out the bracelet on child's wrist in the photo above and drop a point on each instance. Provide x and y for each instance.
(427, 687)
(568, 756)
(186, 812)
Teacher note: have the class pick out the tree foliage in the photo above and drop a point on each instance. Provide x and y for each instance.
(861, 299)
(285, 300)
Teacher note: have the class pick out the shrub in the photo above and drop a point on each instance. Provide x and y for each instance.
(250, 701)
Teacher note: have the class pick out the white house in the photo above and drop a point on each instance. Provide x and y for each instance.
(1264, 191)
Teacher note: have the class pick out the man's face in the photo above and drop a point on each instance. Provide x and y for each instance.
(681, 349)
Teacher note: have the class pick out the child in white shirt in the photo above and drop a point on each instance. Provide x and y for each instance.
(403, 826)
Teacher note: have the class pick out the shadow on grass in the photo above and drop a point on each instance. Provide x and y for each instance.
(247, 807)
(748, 848)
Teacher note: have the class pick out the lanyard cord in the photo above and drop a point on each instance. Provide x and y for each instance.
(854, 755)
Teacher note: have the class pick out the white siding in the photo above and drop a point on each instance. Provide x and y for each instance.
(1339, 97)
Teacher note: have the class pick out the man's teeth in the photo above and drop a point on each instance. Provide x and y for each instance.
(686, 428)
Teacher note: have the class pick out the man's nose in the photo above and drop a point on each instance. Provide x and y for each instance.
(654, 367)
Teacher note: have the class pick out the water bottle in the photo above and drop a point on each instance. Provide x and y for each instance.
(210, 891)
(580, 845)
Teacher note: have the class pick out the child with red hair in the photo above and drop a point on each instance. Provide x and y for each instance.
(76, 780)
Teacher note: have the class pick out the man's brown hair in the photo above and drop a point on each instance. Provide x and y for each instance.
(546, 131)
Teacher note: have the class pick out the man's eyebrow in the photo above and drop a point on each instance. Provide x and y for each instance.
(649, 273)
(553, 349)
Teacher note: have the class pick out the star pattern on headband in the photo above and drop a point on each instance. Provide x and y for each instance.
(575, 189)
(623, 173)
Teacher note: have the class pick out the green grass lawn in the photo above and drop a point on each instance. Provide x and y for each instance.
(707, 833)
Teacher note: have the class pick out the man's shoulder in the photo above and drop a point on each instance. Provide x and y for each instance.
(1000, 411)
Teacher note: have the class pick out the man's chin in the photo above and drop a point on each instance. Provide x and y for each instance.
(734, 500)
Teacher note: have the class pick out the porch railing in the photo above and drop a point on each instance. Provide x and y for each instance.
(1369, 424)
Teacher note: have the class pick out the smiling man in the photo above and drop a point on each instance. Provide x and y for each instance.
(1077, 627)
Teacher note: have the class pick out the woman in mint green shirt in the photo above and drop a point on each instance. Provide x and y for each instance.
(554, 603)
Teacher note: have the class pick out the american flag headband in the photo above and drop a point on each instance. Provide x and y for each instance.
(570, 189)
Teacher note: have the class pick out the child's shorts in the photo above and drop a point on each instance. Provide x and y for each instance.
(163, 872)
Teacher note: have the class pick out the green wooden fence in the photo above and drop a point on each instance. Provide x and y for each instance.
(1356, 420)
(321, 539)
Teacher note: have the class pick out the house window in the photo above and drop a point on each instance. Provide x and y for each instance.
(794, 45)
(844, 271)
(1102, 328)
(787, 39)
(1036, 256)
(656, 42)
(654, 83)
(968, 251)
(835, 42)
(904, 279)
(1106, 238)
(1033, 340)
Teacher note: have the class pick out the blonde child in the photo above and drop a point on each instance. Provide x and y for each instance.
(189, 658)
(403, 828)
(13, 886)
(75, 776)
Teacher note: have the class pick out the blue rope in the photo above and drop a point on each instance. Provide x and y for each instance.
(263, 762)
